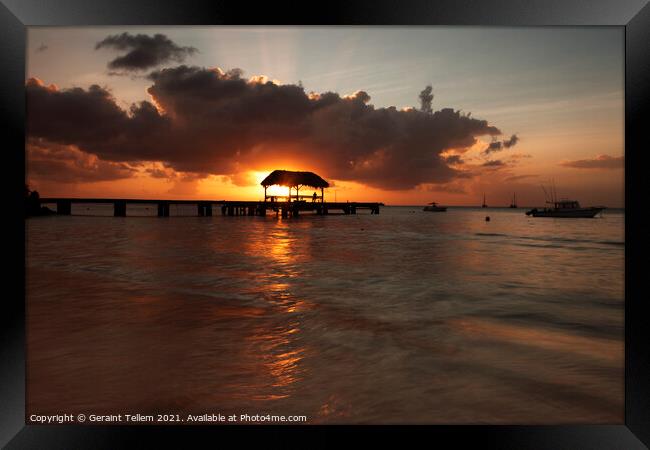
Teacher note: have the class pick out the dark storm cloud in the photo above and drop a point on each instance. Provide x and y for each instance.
(210, 122)
(90, 115)
(496, 146)
(143, 52)
(599, 162)
(91, 120)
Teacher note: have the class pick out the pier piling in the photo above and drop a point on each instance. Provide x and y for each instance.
(204, 209)
(119, 208)
(163, 209)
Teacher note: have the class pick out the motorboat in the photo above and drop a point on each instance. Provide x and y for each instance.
(434, 207)
(566, 208)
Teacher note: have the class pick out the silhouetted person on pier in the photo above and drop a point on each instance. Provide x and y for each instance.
(314, 197)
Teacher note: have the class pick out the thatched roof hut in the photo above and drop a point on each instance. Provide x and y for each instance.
(294, 179)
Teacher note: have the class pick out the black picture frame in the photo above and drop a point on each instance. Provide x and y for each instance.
(633, 15)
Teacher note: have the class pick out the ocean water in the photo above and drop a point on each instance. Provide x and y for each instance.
(401, 317)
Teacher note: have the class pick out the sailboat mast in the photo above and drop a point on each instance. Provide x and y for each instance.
(554, 192)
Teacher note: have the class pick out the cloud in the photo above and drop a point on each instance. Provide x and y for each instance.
(143, 52)
(511, 142)
(454, 187)
(218, 123)
(496, 146)
(494, 164)
(454, 159)
(242, 179)
(184, 187)
(493, 146)
(517, 156)
(161, 172)
(426, 99)
(599, 162)
(520, 177)
(67, 164)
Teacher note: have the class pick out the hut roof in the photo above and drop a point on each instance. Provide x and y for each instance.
(289, 178)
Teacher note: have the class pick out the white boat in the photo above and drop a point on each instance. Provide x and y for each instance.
(566, 208)
(434, 207)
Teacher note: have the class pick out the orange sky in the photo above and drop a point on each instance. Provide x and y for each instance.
(560, 92)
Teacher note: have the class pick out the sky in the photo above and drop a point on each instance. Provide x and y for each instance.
(208, 112)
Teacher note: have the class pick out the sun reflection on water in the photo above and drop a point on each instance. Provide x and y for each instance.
(279, 358)
(278, 347)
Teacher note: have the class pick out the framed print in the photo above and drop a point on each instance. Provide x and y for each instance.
(265, 223)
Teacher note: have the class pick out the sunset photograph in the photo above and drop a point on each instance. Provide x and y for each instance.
(327, 225)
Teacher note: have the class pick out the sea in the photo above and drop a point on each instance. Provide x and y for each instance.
(406, 317)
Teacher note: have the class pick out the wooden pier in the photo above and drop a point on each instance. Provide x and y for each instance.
(227, 208)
